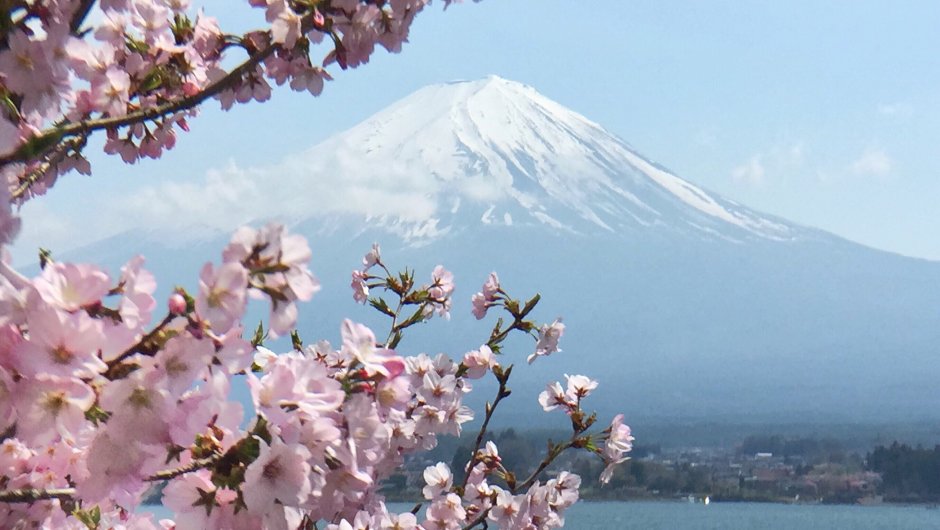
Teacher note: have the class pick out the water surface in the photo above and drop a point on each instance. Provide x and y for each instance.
(642, 515)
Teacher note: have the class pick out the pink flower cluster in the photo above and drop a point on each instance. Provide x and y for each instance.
(432, 298)
(97, 404)
(541, 506)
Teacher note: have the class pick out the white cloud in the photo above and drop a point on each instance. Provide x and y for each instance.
(52, 230)
(789, 157)
(775, 162)
(299, 187)
(707, 137)
(873, 162)
(751, 172)
(898, 109)
(330, 179)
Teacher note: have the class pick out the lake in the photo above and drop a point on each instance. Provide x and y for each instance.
(744, 516)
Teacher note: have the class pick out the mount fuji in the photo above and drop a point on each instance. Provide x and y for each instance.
(684, 304)
(498, 152)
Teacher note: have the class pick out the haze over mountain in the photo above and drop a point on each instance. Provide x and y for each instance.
(683, 303)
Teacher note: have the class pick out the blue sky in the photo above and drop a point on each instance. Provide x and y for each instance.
(825, 113)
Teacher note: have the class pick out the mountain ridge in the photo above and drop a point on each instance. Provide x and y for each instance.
(508, 149)
(695, 317)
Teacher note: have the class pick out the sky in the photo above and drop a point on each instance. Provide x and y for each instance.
(824, 113)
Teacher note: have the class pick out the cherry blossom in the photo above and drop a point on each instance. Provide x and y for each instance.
(279, 474)
(222, 295)
(439, 479)
(619, 442)
(102, 396)
(548, 340)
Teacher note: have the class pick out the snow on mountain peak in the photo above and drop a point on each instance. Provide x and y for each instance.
(496, 151)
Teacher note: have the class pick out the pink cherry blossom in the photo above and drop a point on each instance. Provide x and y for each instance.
(222, 295)
(478, 362)
(60, 344)
(579, 387)
(111, 92)
(439, 480)
(71, 287)
(372, 258)
(140, 406)
(182, 360)
(137, 301)
(619, 442)
(549, 334)
(553, 397)
(359, 343)
(279, 474)
(359, 288)
(49, 407)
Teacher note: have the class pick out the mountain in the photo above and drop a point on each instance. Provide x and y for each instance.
(684, 304)
(499, 152)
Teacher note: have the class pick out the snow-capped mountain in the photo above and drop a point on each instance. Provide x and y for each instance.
(498, 152)
(683, 303)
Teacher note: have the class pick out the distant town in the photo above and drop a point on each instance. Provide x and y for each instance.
(757, 469)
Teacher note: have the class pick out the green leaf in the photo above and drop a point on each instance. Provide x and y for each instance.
(90, 518)
(190, 301)
(530, 305)
(295, 340)
(258, 339)
(152, 82)
(96, 414)
(38, 145)
(45, 257)
(381, 306)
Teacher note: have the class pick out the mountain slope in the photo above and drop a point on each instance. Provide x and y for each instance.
(500, 152)
(684, 304)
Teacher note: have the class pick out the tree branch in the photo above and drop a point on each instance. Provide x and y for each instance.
(554, 453)
(85, 127)
(33, 495)
(112, 365)
(167, 474)
(81, 13)
(501, 393)
(61, 152)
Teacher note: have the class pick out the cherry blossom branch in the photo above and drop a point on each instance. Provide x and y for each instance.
(150, 113)
(518, 322)
(81, 13)
(61, 152)
(394, 334)
(33, 495)
(136, 348)
(501, 393)
(167, 474)
(554, 452)
(479, 519)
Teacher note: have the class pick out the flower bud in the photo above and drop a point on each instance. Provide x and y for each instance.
(177, 304)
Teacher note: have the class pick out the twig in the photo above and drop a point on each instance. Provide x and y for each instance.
(554, 453)
(167, 474)
(81, 13)
(481, 518)
(501, 393)
(112, 365)
(61, 152)
(33, 495)
(149, 113)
